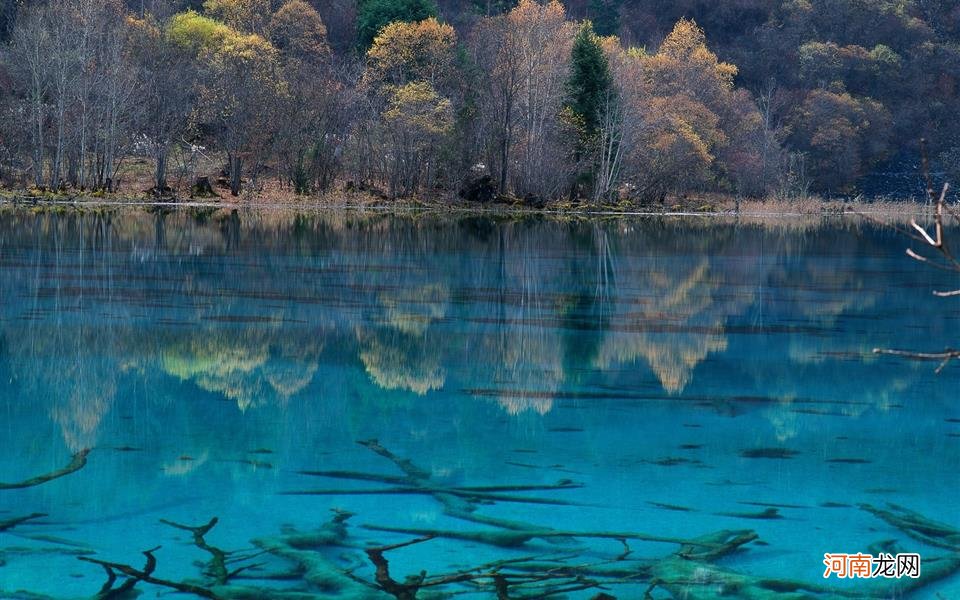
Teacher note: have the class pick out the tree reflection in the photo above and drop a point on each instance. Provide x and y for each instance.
(403, 353)
(250, 306)
(251, 367)
(399, 361)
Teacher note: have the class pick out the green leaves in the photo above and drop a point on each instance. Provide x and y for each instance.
(374, 15)
(590, 87)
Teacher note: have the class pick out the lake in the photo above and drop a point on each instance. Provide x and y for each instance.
(518, 407)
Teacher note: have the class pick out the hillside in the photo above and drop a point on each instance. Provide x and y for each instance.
(483, 97)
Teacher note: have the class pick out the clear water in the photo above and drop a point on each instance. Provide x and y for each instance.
(676, 377)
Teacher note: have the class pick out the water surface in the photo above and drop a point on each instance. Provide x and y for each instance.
(631, 378)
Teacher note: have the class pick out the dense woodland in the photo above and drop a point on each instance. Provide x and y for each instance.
(595, 100)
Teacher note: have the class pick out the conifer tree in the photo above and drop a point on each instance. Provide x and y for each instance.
(606, 16)
(374, 15)
(590, 87)
(590, 95)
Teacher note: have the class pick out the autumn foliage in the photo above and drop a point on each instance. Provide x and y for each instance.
(518, 99)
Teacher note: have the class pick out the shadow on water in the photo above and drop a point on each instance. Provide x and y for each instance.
(510, 408)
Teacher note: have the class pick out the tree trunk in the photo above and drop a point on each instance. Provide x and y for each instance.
(160, 177)
(235, 164)
(38, 143)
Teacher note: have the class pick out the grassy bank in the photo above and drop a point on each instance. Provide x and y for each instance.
(886, 210)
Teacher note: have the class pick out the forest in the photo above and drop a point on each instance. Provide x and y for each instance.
(595, 101)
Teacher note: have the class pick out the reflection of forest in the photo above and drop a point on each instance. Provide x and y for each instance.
(251, 306)
(250, 367)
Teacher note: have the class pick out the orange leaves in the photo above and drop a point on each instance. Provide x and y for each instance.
(685, 39)
(685, 63)
(529, 13)
(682, 137)
(843, 134)
(691, 114)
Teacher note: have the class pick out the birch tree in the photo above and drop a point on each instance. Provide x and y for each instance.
(546, 38)
(167, 93)
(31, 65)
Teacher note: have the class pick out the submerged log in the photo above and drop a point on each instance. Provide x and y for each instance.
(432, 491)
(457, 504)
(134, 576)
(217, 568)
(11, 523)
(917, 526)
(78, 461)
(514, 538)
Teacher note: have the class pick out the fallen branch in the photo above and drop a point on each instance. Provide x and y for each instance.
(401, 591)
(456, 505)
(917, 526)
(944, 357)
(938, 242)
(514, 538)
(217, 568)
(136, 575)
(11, 523)
(78, 461)
(432, 491)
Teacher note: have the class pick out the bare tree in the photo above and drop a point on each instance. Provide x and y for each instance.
(30, 63)
(942, 258)
(238, 97)
(614, 136)
(167, 94)
(547, 38)
(311, 124)
(497, 49)
(64, 69)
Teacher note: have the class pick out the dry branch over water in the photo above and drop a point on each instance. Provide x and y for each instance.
(944, 260)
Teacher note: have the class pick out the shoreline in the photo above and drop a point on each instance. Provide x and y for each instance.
(712, 207)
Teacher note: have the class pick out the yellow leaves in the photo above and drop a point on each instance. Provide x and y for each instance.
(419, 107)
(685, 59)
(685, 39)
(528, 12)
(611, 44)
(248, 368)
(143, 28)
(246, 15)
(688, 127)
(392, 368)
(727, 72)
(221, 46)
(412, 310)
(544, 28)
(246, 47)
(406, 64)
(296, 28)
(218, 42)
(680, 139)
(404, 52)
(196, 32)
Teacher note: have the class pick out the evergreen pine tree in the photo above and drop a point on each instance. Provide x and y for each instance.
(374, 15)
(590, 91)
(590, 86)
(606, 16)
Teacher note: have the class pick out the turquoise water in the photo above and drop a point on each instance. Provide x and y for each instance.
(546, 398)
